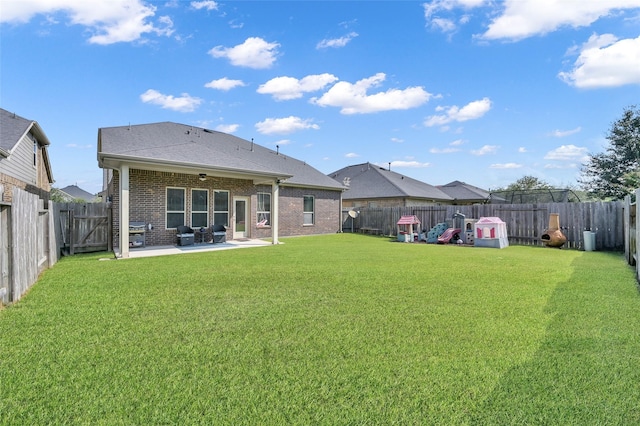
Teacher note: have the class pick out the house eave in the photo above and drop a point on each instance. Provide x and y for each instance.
(311, 186)
(117, 161)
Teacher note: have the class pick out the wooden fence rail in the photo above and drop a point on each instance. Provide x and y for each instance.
(525, 222)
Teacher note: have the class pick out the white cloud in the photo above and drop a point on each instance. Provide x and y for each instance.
(336, 42)
(434, 9)
(408, 164)
(568, 153)
(353, 98)
(522, 150)
(457, 142)
(285, 88)
(486, 149)
(282, 142)
(108, 21)
(563, 133)
(76, 146)
(444, 150)
(471, 111)
(605, 61)
(227, 128)
(505, 166)
(525, 18)
(253, 53)
(184, 103)
(207, 4)
(351, 155)
(561, 166)
(224, 84)
(285, 125)
(397, 140)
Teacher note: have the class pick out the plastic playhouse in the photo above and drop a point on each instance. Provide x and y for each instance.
(406, 229)
(491, 232)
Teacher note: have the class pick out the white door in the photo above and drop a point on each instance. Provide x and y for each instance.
(241, 221)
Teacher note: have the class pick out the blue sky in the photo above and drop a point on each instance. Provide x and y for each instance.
(480, 91)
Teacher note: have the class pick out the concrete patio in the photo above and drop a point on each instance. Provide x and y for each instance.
(194, 248)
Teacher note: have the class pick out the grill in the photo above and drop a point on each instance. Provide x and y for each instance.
(137, 232)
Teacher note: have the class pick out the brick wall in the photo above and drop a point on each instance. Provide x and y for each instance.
(147, 194)
(9, 182)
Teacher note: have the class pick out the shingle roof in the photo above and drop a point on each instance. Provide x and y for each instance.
(463, 191)
(204, 150)
(12, 128)
(76, 192)
(370, 181)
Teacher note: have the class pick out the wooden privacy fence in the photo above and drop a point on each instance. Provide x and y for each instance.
(631, 230)
(525, 222)
(27, 243)
(32, 238)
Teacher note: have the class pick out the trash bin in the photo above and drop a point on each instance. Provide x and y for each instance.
(589, 241)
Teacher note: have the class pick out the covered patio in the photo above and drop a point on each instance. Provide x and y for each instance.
(152, 251)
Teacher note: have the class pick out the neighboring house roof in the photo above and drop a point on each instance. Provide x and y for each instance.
(465, 192)
(183, 148)
(14, 128)
(76, 193)
(368, 181)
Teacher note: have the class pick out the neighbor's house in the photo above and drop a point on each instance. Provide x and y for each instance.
(373, 186)
(166, 174)
(24, 160)
(463, 193)
(73, 193)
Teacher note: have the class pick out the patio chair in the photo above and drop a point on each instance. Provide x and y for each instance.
(185, 235)
(219, 233)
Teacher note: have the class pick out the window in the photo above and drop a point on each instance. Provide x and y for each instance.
(308, 208)
(35, 153)
(221, 208)
(175, 207)
(263, 209)
(199, 208)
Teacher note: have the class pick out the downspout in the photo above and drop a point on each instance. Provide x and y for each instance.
(124, 211)
(275, 192)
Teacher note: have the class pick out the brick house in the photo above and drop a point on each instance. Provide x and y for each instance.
(168, 174)
(374, 186)
(24, 160)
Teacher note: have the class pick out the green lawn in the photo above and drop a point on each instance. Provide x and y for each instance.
(338, 329)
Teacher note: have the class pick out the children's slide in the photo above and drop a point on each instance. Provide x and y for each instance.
(448, 235)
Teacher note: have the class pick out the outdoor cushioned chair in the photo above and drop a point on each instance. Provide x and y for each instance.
(185, 235)
(219, 233)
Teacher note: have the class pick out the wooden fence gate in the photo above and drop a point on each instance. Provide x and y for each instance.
(84, 227)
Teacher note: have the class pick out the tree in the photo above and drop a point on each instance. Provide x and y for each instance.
(525, 183)
(615, 173)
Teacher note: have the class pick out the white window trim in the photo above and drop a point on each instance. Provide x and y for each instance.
(258, 212)
(166, 211)
(213, 200)
(313, 212)
(199, 211)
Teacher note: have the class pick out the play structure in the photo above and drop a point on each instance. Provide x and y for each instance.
(449, 235)
(490, 232)
(406, 229)
(553, 236)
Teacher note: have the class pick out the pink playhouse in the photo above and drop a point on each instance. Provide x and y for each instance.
(490, 232)
(406, 231)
